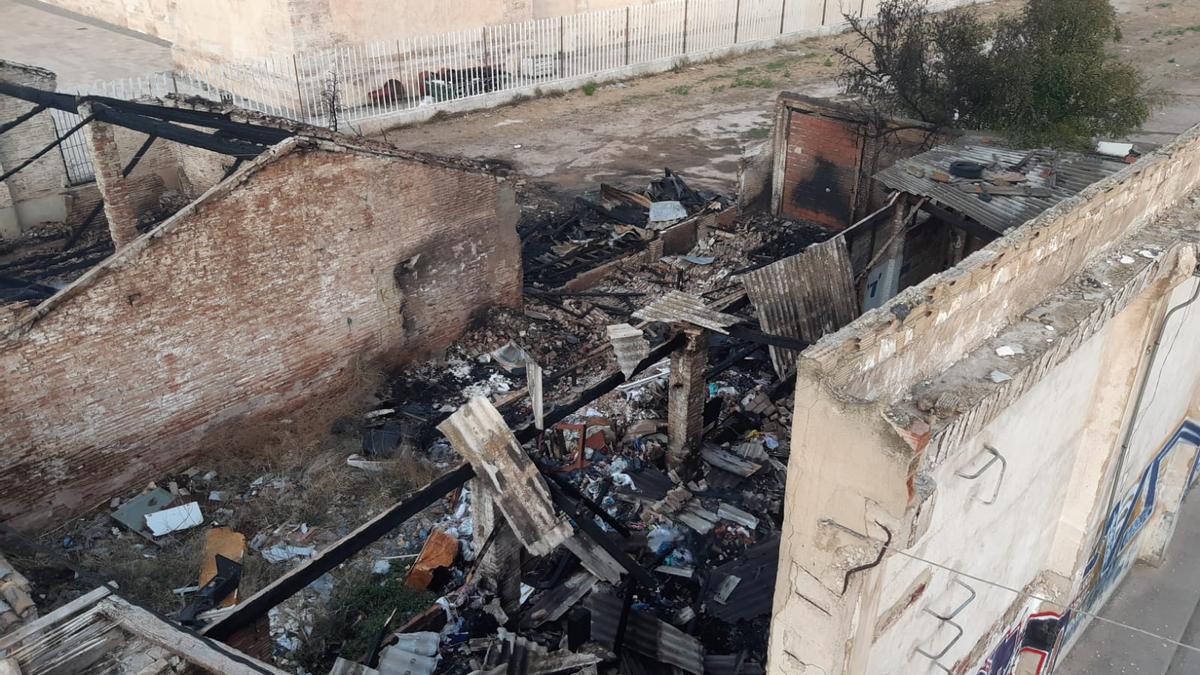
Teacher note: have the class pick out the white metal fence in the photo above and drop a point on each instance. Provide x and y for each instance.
(354, 83)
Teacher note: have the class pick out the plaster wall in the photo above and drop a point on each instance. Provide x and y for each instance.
(892, 408)
(1010, 542)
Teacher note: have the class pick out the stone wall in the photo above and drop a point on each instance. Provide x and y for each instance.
(264, 294)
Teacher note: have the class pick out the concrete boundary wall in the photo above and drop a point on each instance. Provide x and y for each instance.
(272, 290)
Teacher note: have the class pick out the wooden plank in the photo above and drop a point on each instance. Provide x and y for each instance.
(204, 653)
(289, 584)
(226, 542)
(478, 432)
(57, 616)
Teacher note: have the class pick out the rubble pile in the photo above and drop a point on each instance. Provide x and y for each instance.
(558, 245)
(652, 552)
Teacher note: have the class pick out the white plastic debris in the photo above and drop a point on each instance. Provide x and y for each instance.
(1126, 260)
(667, 211)
(214, 496)
(726, 587)
(1010, 350)
(174, 519)
(998, 377)
(283, 552)
(660, 537)
(1147, 254)
(359, 462)
(1114, 149)
(381, 567)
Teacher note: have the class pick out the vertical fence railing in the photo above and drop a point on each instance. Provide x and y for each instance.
(345, 86)
(76, 157)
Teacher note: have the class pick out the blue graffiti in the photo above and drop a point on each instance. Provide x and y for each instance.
(1110, 558)
(1042, 634)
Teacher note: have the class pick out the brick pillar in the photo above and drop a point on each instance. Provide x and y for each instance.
(106, 159)
(685, 400)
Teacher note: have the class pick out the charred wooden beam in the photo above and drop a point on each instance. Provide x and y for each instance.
(257, 605)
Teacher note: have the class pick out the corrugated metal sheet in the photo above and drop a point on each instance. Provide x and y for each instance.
(552, 603)
(644, 634)
(1075, 172)
(629, 345)
(677, 307)
(804, 296)
(755, 592)
(731, 664)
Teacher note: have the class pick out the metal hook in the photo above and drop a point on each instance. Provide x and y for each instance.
(955, 612)
(996, 457)
(940, 654)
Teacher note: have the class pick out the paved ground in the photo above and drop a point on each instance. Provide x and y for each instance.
(1163, 600)
(697, 120)
(81, 50)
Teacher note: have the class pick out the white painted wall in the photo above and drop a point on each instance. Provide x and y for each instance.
(1007, 542)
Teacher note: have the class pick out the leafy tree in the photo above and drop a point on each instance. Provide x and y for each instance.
(1043, 76)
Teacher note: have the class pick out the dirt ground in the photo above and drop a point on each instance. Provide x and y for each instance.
(698, 119)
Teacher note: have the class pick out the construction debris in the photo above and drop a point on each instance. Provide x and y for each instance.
(439, 553)
(562, 414)
(16, 603)
(174, 519)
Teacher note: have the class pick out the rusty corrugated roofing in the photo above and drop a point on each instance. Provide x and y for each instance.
(804, 296)
(1075, 172)
(678, 307)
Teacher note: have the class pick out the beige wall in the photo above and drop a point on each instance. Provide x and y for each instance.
(892, 409)
(152, 17)
(36, 193)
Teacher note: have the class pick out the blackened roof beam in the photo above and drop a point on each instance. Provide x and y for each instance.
(227, 128)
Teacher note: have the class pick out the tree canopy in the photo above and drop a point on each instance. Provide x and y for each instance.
(1042, 77)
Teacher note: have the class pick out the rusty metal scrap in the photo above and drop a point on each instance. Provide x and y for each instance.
(804, 296)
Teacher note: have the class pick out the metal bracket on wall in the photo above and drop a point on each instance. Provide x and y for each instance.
(996, 457)
(954, 640)
(948, 619)
(961, 606)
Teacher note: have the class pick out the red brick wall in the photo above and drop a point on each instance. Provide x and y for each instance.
(249, 302)
(821, 170)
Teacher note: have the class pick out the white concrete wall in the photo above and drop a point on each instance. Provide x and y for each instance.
(1012, 543)
(891, 408)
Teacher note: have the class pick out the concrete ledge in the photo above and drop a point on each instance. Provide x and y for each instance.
(958, 403)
